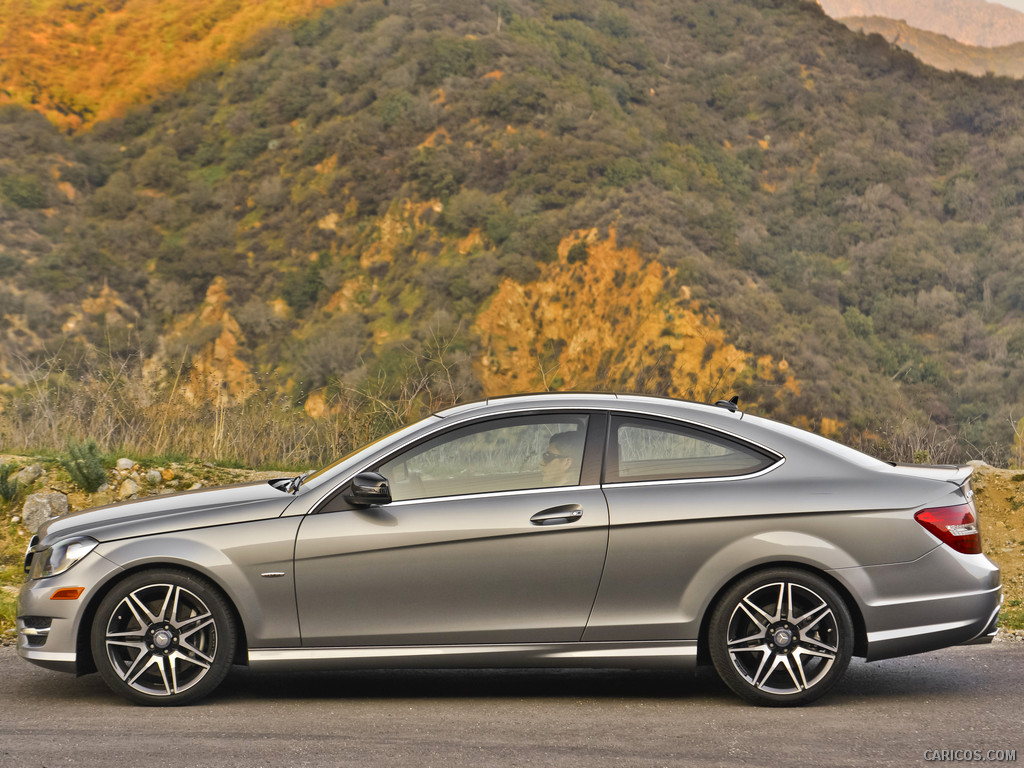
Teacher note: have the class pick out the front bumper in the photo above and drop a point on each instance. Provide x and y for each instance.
(48, 630)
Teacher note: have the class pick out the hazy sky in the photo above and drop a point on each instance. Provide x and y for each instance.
(1017, 5)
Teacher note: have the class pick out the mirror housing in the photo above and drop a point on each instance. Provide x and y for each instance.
(368, 489)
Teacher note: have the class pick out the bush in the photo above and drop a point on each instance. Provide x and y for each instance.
(23, 191)
(8, 488)
(85, 465)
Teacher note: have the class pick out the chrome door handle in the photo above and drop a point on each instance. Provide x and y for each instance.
(567, 513)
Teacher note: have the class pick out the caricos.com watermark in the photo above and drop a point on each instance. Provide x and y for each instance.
(971, 755)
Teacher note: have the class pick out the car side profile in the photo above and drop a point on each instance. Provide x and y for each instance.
(555, 530)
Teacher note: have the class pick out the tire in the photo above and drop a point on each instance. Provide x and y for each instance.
(781, 637)
(163, 638)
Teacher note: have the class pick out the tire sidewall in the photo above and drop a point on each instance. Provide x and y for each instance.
(205, 591)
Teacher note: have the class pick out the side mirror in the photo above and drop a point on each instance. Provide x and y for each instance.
(368, 489)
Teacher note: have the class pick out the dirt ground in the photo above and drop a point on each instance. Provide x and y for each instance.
(1000, 499)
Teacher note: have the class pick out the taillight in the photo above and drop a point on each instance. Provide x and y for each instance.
(955, 526)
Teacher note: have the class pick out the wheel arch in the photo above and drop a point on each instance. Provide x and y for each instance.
(859, 627)
(85, 663)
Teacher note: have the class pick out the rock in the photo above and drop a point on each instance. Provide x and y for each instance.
(194, 486)
(129, 489)
(978, 464)
(154, 477)
(167, 474)
(28, 475)
(125, 465)
(40, 507)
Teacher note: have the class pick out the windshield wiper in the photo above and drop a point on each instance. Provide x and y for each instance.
(289, 484)
(294, 483)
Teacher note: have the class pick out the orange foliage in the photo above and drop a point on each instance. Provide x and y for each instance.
(217, 372)
(604, 321)
(87, 61)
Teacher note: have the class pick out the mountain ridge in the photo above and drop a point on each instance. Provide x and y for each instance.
(972, 22)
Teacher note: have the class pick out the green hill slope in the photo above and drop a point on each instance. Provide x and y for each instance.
(688, 197)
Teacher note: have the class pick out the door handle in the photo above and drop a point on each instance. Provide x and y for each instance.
(567, 513)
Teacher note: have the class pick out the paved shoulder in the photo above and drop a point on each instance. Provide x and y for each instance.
(895, 712)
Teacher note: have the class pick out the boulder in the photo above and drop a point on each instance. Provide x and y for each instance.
(125, 465)
(40, 507)
(129, 490)
(28, 475)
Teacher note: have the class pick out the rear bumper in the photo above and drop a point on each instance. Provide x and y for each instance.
(989, 633)
(944, 598)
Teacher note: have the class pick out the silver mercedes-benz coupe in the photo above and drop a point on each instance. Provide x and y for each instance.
(560, 530)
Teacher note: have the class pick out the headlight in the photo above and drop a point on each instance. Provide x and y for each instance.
(61, 556)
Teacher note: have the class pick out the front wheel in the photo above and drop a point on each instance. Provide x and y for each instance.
(163, 637)
(781, 637)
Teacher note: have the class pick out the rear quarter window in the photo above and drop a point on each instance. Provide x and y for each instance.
(648, 449)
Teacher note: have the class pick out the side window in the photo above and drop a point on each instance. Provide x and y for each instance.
(499, 455)
(646, 449)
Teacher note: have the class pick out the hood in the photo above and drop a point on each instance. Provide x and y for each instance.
(171, 512)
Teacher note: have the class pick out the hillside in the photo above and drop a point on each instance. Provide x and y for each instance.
(392, 205)
(91, 60)
(972, 22)
(943, 52)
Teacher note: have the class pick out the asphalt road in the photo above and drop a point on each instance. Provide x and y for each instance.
(888, 713)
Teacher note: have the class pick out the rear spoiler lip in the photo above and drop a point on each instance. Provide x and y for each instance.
(958, 475)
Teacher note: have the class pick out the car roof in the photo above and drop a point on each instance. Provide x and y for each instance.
(652, 403)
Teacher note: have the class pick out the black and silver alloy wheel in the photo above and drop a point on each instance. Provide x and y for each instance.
(163, 637)
(781, 637)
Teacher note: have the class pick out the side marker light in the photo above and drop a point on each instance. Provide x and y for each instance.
(68, 593)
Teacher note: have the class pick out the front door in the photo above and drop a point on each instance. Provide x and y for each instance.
(496, 534)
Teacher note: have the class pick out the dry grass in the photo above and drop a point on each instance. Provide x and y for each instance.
(125, 416)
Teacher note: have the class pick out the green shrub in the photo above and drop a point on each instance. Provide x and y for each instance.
(23, 191)
(8, 488)
(85, 465)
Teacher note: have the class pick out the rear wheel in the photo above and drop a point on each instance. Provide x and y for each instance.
(163, 637)
(781, 637)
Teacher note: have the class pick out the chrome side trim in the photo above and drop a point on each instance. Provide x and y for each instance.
(33, 632)
(897, 634)
(57, 661)
(53, 656)
(493, 494)
(941, 596)
(672, 654)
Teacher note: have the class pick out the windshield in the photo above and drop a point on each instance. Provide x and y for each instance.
(380, 442)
